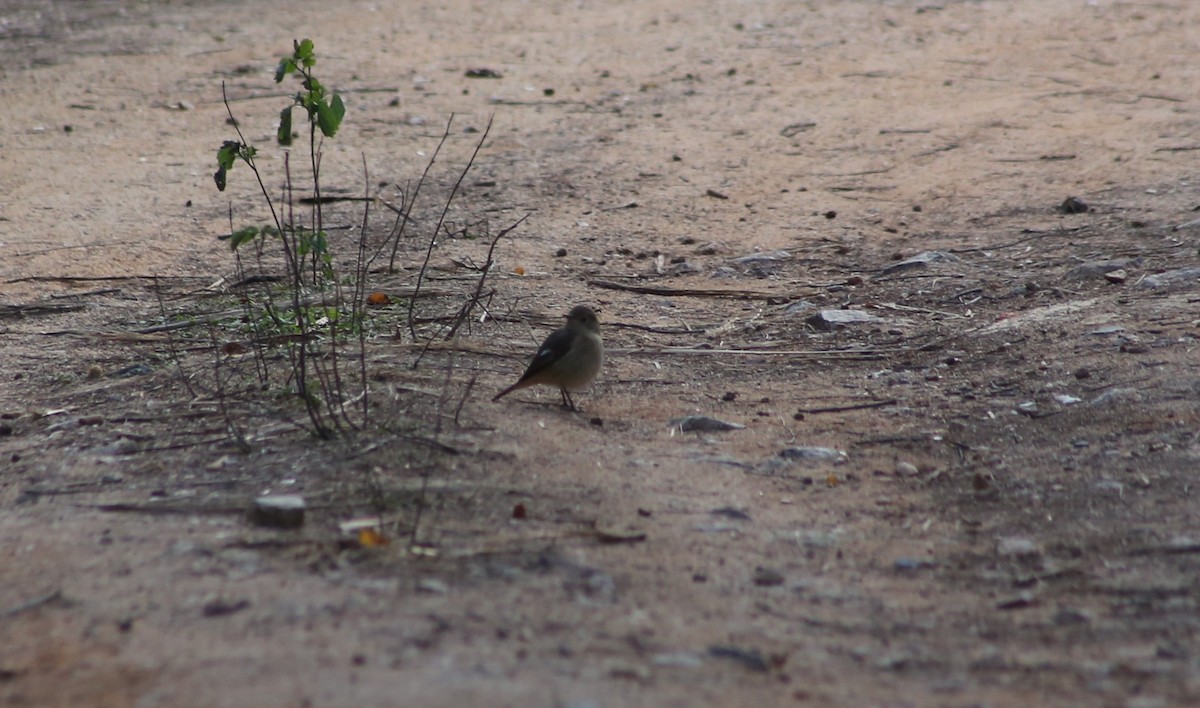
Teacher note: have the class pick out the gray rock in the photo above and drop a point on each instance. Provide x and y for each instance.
(703, 424)
(829, 320)
(767, 577)
(1017, 547)
(1099, 269)
(813, 454)
(281, 511)
(921, 260)
(1171, 279)
(765, 258)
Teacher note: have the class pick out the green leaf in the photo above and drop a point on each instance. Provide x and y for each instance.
(241, 236)
(329, 117)
(321, 242)
(303, 242)
(227, 153)
(304, 52)
(286, 66)
(284, 135)
(219, 178)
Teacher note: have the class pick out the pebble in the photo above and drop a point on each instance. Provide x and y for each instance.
(703, 423)
(281, 511)
(919, 261)
(1017, 546)
(1171, 278)
(767, 577)
(813, 454)
(432, 586)
(828, 320)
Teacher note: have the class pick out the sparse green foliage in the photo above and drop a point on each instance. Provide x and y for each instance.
(230, 152)
(325, 111)
(316, 319)
(284, 135)
(246, 234)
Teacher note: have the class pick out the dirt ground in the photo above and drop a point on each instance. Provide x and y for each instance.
(978, 491)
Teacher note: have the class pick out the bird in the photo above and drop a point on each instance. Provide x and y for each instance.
(570, 357)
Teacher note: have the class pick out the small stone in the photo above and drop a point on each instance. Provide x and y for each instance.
(906, 469)
(1171, 279)
(281, 511)
(911, 565)
(703, 423)
(1116, 277)
(1017, 546)
(432, 586)
(829, 320)
(813, 454)
(1074, 205)
(1101, 269)
(767, 577)
(482, 73)
(731, 512)
(1017, 602)
(221, 607)
(920, 260)
(750, 658)
(1066, 616)
(620, 534)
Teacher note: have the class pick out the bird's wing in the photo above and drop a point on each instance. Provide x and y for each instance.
(554, 348)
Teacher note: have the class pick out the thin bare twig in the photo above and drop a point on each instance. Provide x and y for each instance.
(857, 407)
(442, 219)
(38, 601)
(696, 292)
(162, 309)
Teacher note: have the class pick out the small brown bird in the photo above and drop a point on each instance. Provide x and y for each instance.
(570, 357)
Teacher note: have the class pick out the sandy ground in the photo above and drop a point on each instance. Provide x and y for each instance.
(1002, 514)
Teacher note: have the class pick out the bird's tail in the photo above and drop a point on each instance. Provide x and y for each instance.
(510, 389)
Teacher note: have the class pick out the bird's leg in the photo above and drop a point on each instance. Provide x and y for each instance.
(566, 399)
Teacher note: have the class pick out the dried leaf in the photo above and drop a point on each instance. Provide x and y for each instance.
(371, 538)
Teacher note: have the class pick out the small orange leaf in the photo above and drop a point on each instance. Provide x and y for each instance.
(519, 270)
(370, 538)
(832, 480)
(378, 298)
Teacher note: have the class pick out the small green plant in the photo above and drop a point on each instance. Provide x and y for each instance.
(311, 315)
(316, 317)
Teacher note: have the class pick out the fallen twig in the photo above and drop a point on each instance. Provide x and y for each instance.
(856, 407)
(695, 292)
(842, 354)
(35, 602)
(38, 309)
